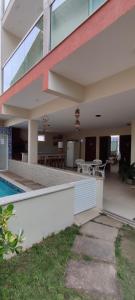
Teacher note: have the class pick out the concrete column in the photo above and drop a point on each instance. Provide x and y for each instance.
(32, 142)
(133, 142)
(97, 147)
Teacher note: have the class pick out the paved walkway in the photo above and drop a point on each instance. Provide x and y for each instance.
(94, 272)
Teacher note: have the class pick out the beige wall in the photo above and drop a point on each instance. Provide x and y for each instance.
(9, 44)
(96, 132)
(48, 146)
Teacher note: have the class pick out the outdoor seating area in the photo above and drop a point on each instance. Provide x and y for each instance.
(92, 168)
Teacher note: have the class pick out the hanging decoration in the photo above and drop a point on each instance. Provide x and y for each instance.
(45, 123)
(43, 128)
(77, 119)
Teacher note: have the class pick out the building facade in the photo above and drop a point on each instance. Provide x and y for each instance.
(56, 56)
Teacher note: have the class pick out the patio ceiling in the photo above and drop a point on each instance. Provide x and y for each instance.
(110, 52)
(31, 97)
(116, 111)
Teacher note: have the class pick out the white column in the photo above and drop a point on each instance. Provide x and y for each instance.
(97, 147)
(32, 141)
(133, 142)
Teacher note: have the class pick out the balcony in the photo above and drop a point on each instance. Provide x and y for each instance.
(67, 15)
(6, 3)
(27, 54)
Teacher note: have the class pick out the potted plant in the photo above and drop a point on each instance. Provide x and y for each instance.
(127, 172)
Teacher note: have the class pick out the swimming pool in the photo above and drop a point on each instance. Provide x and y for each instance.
(8, 189)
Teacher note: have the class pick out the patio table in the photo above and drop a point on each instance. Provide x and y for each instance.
(91, 164)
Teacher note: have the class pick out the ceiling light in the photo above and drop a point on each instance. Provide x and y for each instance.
(98, 116)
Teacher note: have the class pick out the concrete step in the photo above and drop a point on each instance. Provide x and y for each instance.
(86, 216)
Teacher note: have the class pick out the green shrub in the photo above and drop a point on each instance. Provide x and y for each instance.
(127, 171)
(9, 242)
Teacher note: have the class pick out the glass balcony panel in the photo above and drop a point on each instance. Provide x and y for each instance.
(66, 15)
(6, 2)
(95, 4)
(25, 57)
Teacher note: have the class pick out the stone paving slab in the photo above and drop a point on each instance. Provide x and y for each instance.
(95, 248)
(99, 231)
(97, 278)
(105, 220)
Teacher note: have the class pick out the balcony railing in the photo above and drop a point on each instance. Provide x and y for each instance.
(27, 54)
(6, 2)
(67, 15)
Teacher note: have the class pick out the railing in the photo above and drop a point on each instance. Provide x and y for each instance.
(6, 3)
(27, 54)
(67, 15)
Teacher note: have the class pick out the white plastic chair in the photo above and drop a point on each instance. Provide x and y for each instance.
(85, 169)
(79, 163)
(97, 161)
(100, 170)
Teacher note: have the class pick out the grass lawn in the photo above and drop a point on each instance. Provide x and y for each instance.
(125, 254)
(38, 274)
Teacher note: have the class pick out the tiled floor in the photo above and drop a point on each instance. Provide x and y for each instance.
(23, 181)
(119, 197)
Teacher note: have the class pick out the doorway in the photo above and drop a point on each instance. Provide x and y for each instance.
(125, 148)
(118, 195)
(115, 154)
(90, 148)
(105, 150)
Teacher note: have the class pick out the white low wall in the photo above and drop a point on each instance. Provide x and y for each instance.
(41, 213)
(49, 210)
(43, 175)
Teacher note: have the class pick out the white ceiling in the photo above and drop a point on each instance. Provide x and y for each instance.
(31, 97)
(116, 111)
(20, 16)
(109, 53)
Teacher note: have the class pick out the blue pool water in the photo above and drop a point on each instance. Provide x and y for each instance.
(8, 189)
